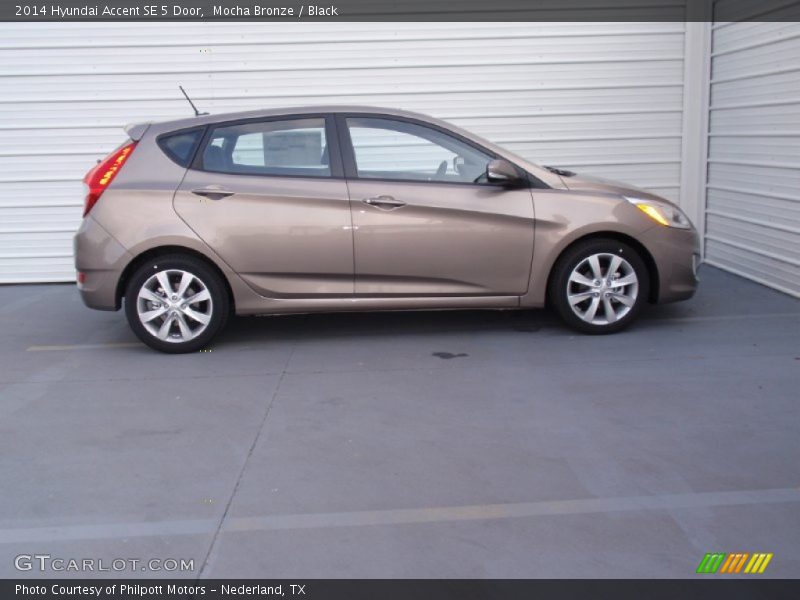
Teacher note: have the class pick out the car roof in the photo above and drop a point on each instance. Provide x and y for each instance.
(165, 126)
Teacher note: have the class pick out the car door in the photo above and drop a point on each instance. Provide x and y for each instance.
(425, 221)
(268, 196)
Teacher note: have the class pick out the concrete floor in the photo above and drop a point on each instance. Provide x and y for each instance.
(460, 444)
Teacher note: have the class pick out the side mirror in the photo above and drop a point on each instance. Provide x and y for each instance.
(502, 172)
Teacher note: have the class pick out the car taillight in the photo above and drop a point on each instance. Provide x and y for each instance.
(99, 178)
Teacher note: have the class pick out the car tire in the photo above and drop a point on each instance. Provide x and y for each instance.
(184, 318)
(599, 286)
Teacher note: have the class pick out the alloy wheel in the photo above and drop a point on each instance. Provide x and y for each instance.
(174, 305)
(602, 288)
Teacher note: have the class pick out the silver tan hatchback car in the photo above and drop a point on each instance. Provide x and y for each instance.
(356, 208)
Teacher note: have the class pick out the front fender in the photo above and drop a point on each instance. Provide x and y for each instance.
(564, 217)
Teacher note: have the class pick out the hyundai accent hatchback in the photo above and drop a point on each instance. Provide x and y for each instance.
(361, 209)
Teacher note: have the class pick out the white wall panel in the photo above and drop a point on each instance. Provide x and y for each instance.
(605, 98)
(753, 201)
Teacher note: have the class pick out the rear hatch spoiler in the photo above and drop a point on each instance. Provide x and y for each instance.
(135, 131)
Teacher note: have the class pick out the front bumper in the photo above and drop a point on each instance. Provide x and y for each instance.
(676, 253)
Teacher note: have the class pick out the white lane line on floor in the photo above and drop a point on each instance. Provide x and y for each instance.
(506, 511)
(403, 516)
(796, 315)
(84, 346)
(66, 347)
(105, 531)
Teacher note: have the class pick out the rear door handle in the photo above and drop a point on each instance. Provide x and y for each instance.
(213, 193)
(384, 202)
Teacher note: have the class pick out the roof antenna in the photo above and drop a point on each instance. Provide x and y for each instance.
(197, 113)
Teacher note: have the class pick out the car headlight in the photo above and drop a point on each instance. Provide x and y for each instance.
(662, 212)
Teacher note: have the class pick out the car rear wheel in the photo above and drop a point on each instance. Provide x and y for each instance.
(176, 304)
(599, 286)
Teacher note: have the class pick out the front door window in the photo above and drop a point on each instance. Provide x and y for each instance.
(401, 150)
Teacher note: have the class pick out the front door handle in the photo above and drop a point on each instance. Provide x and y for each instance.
(384, 202)
(213, 193)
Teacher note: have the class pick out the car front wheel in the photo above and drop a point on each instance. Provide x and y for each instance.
(599, 286)
(176, 304)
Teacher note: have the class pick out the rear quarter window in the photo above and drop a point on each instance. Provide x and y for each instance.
(180, 146)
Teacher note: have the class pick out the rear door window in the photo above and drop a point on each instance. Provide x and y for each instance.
(292, 147)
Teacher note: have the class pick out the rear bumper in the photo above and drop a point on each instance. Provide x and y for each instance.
(101, 259)
(677, 256)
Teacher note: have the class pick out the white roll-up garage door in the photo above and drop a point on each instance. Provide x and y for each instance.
(753, 202)
(603, 98)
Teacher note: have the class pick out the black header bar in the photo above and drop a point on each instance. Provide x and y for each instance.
(701, 588)
(400, 10)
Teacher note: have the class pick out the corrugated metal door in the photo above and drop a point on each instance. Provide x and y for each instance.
(604, 98)
(753, 203)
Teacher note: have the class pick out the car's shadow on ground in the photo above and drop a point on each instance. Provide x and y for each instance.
(415, 323)
(720, 296)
